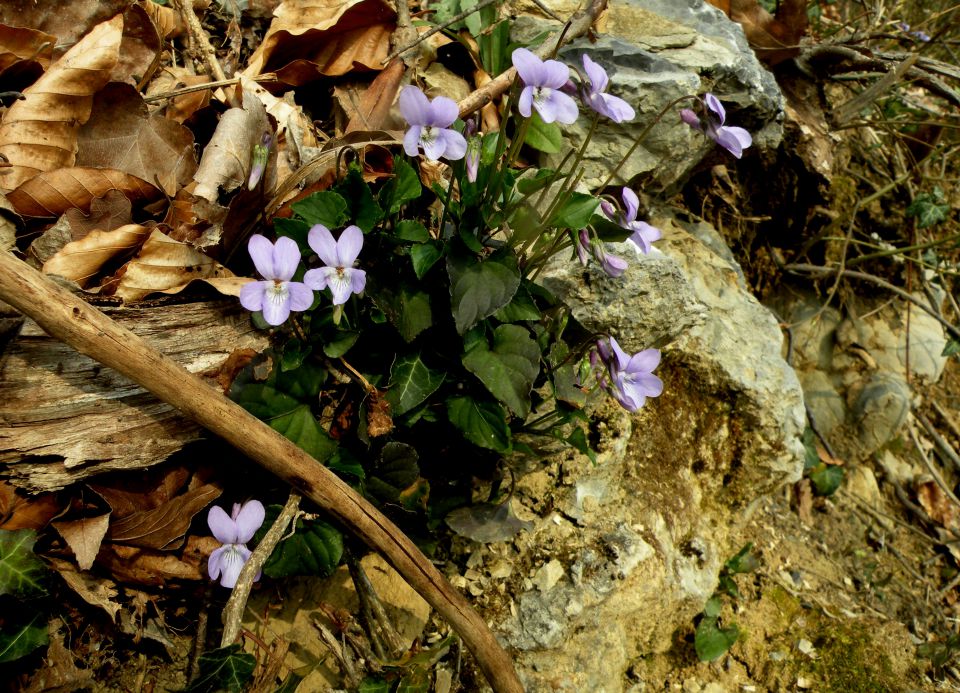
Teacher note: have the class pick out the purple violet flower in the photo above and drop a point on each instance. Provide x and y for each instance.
(613, 265)
(593, 94)
(339, 275)
(628, 379)
(543, 81)
(277, 295)
(430, 123)
(233, 531)
(643, 233)
(474, 147)
(731, 138)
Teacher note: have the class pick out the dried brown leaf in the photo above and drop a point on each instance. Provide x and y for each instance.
(773, 38)
(107, 213)
(68, 21)
(82, 260)
(163, 265)
(59, 673)
(139, 48)
(126, 494)
(53, 193)
(94, 590)
(168, 22)
(18, 43)
(84, 537)
(179, 108)
(39, 133)
(938, 506)
(21, 511)
(225, 163)
(156, 568)
(310, 38)
(123, 136)
(163, 527)
(372, 111)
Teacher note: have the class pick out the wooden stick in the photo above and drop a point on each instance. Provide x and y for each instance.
(80, 325)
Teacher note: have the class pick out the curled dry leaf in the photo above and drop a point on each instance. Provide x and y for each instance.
(107, 213)
(94, 590)
(139, 48)
(39, 133)
(310, 38)
(167, 20)
(20, 511)
(179, 108)
(53, 193)
(163, 527)
(225, 163)
(163, 265)
(371, 109)
(773, 38)
(150, 567)
(68, 21)
(84, 537)
(123, 136)
(18, 44)
(81, 260)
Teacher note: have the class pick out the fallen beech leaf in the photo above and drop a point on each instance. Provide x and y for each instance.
(107, 213)
(39, 133)
(126, 494)
(938, 506)
(310, 38)
(94, 590)
(17, 43)
(226, 160)
(59, 671)
(179, 108)
(68, 21)
(139, 48)
(372, 111)
(163, 527)
(21, 511)
(123, 136)
(53, 193)
(81, 260)
(10, 224)
(168, 22)
(84, 537)
(163, 265)
(773, 38)
(156, 568)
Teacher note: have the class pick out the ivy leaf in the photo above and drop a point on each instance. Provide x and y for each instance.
(362, 207)
(544, 137)
(314, 548)
(408, 309)
(425, 256)
(396, 470)
(224, 669)
(324, 207)
(509, 368)
(21, 572)
(401, 189)
(411, 382)
(576, 212)
(929, 209)
(711, 641)
(478, 289)
(20, 638)
(483, 422)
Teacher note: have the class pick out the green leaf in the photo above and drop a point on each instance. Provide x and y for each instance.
(224, 669)
(396, 470)
(314, 548)
(341, 344)
(576, 212)
(608, 231)
(21, 572)
(297, 229)
(711, 641)
(408, 309)
(411, 382)
(493, 44)
(415, 680)
(362, 206)
(743, 562)
(473, 21)
(424, 256)
(544, 137)
(374, 684)
(325, 207)
(521, 307)
(409, 230)
(293, 354)
(531, 184)
(301, 427)
(578, 441)
(509, 368)
(952, 348)
(265, 401)
(928, 210)
(480, 289)
(294, 679)
(401, 189)
(826, 479)
(18, 639)
(483, 423)
(712, 608)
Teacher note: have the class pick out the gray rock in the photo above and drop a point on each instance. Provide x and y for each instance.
(656, 51)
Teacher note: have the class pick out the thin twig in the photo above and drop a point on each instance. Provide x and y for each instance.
(198, 35)
(944, 446)
(340, 652)
(383, 636)
(947, 419)
(931, 468)
(233, 611)
(200, 637)
(261, 79)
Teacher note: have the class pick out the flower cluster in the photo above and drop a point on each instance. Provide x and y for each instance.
(711, 121)
(233, 531)
(277, 295)
(628, 379)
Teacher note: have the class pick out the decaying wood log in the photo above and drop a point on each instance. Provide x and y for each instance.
(65, 417)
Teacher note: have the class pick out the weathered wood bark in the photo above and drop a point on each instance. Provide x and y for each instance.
(65, 417)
